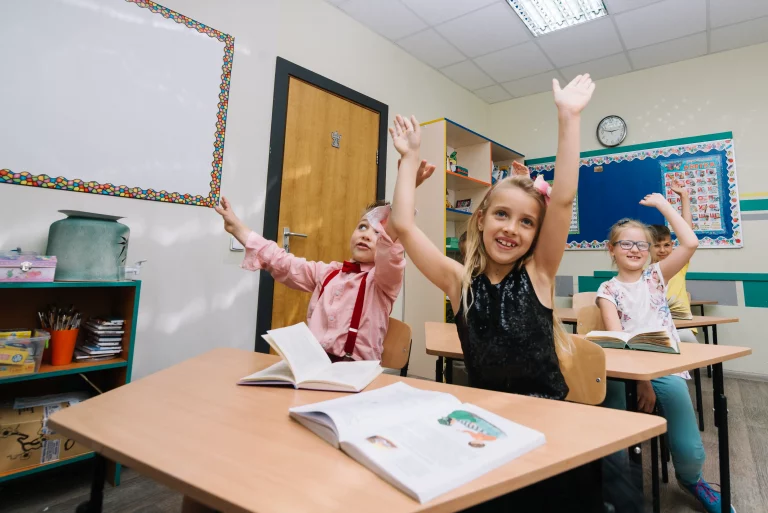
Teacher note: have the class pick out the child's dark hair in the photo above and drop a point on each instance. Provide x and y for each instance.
(660, 232)
(375, 204)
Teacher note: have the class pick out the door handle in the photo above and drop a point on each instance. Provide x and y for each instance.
(287, 234)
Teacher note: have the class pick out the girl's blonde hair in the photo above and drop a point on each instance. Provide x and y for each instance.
(476, 258)
(623, 224)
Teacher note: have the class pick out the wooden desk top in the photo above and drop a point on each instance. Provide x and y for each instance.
(646, 365)
(235, 448)
(704, 302)
(442, 339)
(568, 316)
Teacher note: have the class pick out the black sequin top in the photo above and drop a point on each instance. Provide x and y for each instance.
(508, 339)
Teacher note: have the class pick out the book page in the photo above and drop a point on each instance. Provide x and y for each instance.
(357, 375)
(442, 449)
(608, 335)
(367, 410)
(299, 347)
(280, 372)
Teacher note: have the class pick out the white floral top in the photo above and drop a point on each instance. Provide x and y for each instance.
(642, 305)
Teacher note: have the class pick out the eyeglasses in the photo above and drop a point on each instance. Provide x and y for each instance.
(628, 244)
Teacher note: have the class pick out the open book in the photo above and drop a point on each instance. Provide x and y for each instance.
(424, 443)
(305, 364)
(655, 340)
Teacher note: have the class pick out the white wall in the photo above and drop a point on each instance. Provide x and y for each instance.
(194, 294)
(716, 93)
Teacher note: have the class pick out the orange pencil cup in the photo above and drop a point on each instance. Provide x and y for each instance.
(63, 346)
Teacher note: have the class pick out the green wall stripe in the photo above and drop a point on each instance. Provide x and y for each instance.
(759, 277)
(589, 283)
(644, 146)
(751, 205)
(756, 294)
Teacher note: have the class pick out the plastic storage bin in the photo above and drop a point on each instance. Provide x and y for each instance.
(22, 355)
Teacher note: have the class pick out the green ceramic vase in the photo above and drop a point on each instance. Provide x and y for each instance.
(88, 247)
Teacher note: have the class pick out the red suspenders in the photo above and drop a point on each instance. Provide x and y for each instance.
(357, 312)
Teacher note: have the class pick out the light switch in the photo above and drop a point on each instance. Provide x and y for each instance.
(234, 245)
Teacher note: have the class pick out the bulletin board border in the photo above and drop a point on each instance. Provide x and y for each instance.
(44, 181)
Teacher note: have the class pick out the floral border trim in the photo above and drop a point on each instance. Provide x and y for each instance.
(107, 189)
(724, 145)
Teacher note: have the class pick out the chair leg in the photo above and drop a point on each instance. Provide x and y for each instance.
(404, 371)
(655, 475)
(664, 458)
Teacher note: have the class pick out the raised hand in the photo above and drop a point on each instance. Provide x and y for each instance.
(654, 200)
(519, 169)
(406, 135)
(679, 188)
(232, 224)
(575, 96)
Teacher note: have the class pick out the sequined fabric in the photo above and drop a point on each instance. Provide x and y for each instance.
(508, 341)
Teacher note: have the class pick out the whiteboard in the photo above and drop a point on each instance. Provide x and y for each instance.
(118, 97)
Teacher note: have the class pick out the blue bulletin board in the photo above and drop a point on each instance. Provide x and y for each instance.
(612, 183)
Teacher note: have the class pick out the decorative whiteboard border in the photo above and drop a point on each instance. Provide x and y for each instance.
(123, 191)
(724, 145)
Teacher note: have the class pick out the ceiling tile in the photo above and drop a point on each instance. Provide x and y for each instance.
(670, 51)
(581, 43)
(513, 63)
(617, 6)
(487, 30)
(467, 75)
(727, 12)
(430, 48)
(493, 94)
(391, 19)
(438, 11)
(532, 85)
(601, 68)
(741, 34)
(662, 21)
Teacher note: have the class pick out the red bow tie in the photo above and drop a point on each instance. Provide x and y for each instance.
(350, 267)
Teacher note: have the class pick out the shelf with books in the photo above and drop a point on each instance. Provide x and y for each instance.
(21, 302)
(452, 214)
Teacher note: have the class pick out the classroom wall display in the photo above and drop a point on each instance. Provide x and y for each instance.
(122, 98)
(611, 185)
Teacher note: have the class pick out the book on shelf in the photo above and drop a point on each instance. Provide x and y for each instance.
(306, 365)
(422, 442)
(657, 340)
(92, 349)
(85, 357)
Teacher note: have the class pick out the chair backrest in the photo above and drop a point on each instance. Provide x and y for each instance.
(589, 319)
(397, 345)
(584, 299)
(584, 372)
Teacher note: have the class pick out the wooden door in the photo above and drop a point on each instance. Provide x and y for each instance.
(324, 188)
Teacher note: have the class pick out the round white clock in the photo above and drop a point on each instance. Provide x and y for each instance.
(611, 131)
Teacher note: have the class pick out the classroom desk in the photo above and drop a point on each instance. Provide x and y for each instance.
(701, 303)
(235, 448)
(631, 366)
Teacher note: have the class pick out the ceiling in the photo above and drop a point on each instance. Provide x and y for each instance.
(484, 47)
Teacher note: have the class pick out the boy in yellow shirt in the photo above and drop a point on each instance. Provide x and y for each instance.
(677, 295)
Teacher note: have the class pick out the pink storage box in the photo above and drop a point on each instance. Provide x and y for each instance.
(27, 268)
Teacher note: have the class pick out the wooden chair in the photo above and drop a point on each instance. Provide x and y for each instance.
(584, 299)
(589, 319)
(584, 371)
(397, 347)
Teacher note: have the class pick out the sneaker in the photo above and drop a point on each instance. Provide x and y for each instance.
(706, 495)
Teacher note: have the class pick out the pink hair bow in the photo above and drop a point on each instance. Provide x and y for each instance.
(543, 187)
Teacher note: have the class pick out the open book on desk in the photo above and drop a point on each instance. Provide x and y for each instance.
(654, 340)
(422, 442)
(305, 364)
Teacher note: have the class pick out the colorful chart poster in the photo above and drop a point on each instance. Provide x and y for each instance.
(701, 178)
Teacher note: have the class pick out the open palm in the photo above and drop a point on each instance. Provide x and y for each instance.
(575, 96)
(406, 134)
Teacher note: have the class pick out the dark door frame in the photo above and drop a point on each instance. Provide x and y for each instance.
(283, 71)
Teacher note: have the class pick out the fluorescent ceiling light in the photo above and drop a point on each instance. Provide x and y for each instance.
(546, 16)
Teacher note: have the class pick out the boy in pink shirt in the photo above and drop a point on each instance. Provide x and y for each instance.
(351, 301)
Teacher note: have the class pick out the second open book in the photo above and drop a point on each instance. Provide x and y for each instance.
(305, 364)
(657, 340)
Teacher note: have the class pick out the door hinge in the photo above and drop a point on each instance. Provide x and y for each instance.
(377, 157)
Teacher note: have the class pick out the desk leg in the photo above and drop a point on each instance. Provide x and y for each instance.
(630, 390)
(699, 406)
(449, 370)
(721, 421)
(94, 504)
(439, 369)
(655, 474)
